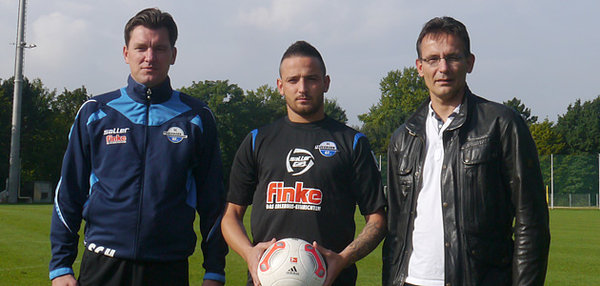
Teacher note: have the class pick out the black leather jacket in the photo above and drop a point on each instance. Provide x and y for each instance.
(494, 208)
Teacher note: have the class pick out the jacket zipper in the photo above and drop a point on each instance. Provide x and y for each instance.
(141, 194)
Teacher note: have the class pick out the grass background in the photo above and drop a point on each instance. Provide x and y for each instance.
(25, 249)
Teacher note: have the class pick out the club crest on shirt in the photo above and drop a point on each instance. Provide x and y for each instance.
(299, 161)
(175, 134)
(327, 148)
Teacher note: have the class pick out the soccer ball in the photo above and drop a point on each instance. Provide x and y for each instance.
(291, 262)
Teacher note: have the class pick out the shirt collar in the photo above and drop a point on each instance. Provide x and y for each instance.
(439, 122)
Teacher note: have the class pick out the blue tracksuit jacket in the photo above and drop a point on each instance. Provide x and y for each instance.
(139, 164)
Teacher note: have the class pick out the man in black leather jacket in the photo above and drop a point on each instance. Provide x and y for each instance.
(466, 203)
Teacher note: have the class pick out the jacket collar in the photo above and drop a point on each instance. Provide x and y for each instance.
(416, 122)
(140, 92)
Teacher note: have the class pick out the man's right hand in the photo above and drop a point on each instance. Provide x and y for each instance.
(253, 257)
(65, 280)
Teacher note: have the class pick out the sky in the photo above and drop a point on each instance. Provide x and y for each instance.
(541, 52)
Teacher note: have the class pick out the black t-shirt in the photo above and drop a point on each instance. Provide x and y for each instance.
(305, 180)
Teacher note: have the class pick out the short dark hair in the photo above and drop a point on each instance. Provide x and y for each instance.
(445, 25)
(152, 18)
(304, 49)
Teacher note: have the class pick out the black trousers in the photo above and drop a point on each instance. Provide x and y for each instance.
(100, 270)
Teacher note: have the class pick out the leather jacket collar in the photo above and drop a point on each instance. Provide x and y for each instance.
(416, 123)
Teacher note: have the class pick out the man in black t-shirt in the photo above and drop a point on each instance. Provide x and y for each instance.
(304, 174)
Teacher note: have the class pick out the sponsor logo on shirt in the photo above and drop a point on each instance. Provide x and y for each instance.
(299, 161)
(115, 135)
(293, 198)
(175, 134)
(113, 131)
(101, 249)
(327, 148)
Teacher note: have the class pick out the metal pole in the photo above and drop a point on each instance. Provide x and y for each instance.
(15, 139)
(597, 199)
(552, 181)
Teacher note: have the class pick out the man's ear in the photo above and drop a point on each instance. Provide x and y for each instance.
(125, 53)
(280, 86)
(470, 63)
(419, 65)
(174, 55)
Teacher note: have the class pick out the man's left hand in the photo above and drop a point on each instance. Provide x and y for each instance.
(212, 283)
(335, 263)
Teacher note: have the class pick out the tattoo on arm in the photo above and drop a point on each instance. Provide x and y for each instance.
(367, 240)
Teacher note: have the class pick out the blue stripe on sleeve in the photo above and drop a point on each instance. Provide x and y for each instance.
(99, 114)
(254, 133)
(214, 276)
(198, 122)
(70, 132)
(356, 137)
(215, 227)
(57, 207)
(77, 116)
(93, 180)
(60, 272)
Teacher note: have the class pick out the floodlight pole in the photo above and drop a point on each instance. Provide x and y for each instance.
(15, 139)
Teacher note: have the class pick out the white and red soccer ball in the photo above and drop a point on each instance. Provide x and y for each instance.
(291, 262)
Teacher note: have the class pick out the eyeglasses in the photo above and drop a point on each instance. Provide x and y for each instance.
(450, 60)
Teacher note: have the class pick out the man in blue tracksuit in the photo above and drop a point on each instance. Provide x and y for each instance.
(140, 162)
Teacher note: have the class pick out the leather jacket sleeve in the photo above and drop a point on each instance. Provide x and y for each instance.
(531, 230)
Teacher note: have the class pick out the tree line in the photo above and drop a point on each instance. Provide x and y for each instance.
(47, 116)
(574, 138)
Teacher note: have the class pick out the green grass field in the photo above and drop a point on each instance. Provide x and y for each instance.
(25, 250)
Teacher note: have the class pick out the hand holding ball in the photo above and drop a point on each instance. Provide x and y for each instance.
(291, 262)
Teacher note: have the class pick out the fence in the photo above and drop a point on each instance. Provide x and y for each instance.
(571, 180)
(575, 200)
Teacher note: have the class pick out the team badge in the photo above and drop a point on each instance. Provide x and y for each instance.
(299, 161)
(175, 134)
(327, 148)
